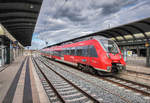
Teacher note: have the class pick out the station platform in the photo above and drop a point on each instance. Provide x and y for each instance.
(137, 64)
(19, 83)
(140, 69)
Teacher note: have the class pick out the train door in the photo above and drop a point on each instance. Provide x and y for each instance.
(62, 52)
(72, 51)
(91, 61)
(86, 55)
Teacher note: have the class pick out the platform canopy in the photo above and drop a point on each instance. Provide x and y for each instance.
(134, 33)
(19, 18)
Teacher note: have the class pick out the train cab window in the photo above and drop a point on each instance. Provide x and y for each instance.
(92, 51)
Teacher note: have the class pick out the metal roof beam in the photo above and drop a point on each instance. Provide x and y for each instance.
(19, 28)
(139, 29)
(7, 34)
(28, 7)
(104, 34)
(132, 43)
(145, 22)
(20, 24)
(111, 35)
(19, 20)
(127, 31)
(120, 35)
(18, 15)
(22, 1)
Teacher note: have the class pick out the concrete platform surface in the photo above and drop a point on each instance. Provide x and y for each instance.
(140, 69)
(19, 83)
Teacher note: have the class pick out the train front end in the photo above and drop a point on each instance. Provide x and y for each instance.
(112, 57)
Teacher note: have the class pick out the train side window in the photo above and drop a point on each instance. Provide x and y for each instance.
(53, 52)
(68, 51)
(85, 51)
(73, 51)
(79, 51)
(60, 53)
(92, 51)
(65, 51)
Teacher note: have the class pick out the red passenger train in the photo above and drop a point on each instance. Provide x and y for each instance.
(96, 54)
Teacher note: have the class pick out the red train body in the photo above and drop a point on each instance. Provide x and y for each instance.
(98, 54)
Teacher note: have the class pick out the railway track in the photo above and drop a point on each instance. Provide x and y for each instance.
(129, 85)
(144, 89)
(140, 78)
(138, 73)
(141, 88)
(65, 90)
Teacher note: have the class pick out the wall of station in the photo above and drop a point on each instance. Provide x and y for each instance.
(7, 52)
(10, 49)
(137, 52)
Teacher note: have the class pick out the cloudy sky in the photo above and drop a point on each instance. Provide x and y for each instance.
(61, 20)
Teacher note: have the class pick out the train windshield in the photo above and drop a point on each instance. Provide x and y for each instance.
(109, 46)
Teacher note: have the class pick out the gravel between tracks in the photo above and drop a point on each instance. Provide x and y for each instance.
(49, 91)
(63, 87)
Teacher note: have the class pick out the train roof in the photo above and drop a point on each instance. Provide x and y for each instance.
(77, 40)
